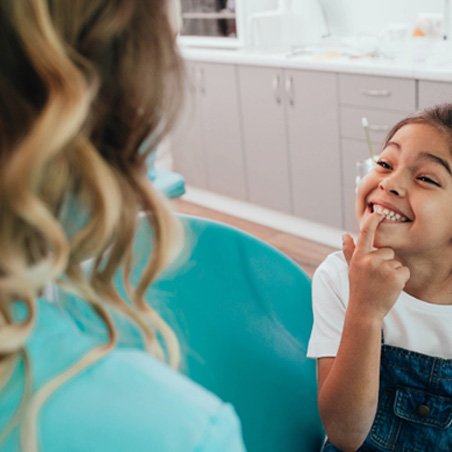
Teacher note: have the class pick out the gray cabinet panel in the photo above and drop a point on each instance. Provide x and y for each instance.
(186, 140)
(377, 92)
(380, 123)
(264, 135)
(222, 131)
(313, 128)
(432, 93)
(207, 143)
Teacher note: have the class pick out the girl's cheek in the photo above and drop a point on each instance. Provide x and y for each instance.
(363, 189)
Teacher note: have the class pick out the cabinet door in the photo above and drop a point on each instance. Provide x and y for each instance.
(221, 130)
(264, 136)
(313, 127)
(186, 139)
(432, 93)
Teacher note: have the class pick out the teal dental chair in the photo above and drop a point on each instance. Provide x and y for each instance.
(242, 311)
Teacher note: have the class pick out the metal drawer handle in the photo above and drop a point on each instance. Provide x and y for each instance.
(376, 92)
(277, 88)
(290, 91)
(378, 128)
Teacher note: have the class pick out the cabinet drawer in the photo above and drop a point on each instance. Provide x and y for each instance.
(380, 123)
(378, 92)
(432, 93)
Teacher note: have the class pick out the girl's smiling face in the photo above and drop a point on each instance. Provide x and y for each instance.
(411, 185)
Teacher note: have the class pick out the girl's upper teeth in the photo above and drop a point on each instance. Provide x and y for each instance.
(389, 214)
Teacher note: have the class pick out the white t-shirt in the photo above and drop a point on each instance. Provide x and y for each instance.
(411, 324)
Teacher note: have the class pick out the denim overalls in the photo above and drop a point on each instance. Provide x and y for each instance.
(414, 406)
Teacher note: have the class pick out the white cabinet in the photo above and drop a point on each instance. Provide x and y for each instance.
(377, 92)
(432, 93)
(291, 161)
(186, 139)
(383, 101)
(264, 136)
(314, 154)
(289, 139)
(207, 145)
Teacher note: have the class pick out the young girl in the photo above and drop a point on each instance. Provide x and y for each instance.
(383, 307)
(83, 83)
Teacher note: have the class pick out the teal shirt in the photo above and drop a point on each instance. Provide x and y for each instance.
(127, 401)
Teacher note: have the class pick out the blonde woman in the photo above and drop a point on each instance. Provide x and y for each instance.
(82, 84)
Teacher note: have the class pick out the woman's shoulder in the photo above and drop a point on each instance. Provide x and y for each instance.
(139, 404)
(127, 400)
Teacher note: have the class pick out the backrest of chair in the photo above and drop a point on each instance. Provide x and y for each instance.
(242, 310)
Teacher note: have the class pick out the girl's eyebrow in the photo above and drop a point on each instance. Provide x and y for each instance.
(426, 156)
(434, 158)
(395, 144)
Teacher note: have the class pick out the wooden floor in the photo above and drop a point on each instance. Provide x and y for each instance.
(306, 253)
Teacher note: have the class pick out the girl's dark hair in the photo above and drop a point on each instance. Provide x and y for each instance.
(438, 116)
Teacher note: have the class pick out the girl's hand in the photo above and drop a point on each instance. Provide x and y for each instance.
(376, 277)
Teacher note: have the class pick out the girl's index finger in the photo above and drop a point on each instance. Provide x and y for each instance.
(367, 234)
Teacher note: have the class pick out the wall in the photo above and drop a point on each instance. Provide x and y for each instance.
(347, 17)
(372, 16)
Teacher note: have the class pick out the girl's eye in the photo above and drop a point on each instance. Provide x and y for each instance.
(428, 180)
(384, 164)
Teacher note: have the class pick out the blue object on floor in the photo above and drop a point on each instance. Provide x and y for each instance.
(171, 184)
(168, 182)
(242, 310)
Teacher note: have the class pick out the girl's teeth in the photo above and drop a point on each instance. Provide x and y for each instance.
(390, 215)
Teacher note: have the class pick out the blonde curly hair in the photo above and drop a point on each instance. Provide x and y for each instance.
(82, 83)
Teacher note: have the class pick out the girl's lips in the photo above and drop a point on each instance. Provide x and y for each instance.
(389, 212)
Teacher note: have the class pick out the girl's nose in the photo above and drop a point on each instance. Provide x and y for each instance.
(392, 184)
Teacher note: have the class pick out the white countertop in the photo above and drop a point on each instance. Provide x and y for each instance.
(423, 60)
